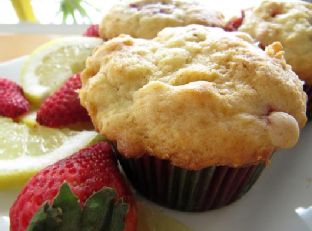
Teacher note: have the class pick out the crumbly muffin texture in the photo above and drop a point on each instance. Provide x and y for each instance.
(198, 96)
(287, 22)
(145, 18)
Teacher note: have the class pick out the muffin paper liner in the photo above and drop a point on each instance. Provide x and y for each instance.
(308, 89)
(189, 190)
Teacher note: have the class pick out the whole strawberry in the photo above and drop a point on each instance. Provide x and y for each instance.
(63, 106)
(92, 31)
(12, 100)
(46, 202)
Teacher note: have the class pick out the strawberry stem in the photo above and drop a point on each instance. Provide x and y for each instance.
(102, 211)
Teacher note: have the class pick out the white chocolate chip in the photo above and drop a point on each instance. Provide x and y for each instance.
(283, 129)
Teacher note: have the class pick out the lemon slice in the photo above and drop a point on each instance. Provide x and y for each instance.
(29, 119)
(24, 149)
(50, 65)
(152, 219)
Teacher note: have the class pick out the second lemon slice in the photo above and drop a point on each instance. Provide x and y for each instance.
(50, 65)
(24, 149)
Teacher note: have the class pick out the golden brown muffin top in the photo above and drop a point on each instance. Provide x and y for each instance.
(287, 22)
(145, 18)
(198, 96)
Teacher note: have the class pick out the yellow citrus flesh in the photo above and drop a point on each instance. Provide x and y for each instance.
(29, 119)
(50, 65)
(24, 149)
(151, 219)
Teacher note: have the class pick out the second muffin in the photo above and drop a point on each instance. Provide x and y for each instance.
(205, 107)
(145, 18)
(290, 24)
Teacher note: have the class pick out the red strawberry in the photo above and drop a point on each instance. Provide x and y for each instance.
(235, 23)
(86, 172)
(12, 100)
(92, 31)
(63, 107)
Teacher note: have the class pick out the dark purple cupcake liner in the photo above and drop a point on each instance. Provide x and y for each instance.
(189, 190)
(308, 89)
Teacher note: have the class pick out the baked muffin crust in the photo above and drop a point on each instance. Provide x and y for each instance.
(287, 22)
(198, 96)
(145, 18)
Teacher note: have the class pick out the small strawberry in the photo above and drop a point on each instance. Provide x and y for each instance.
(87, 174)
(92, 31)
(12, 100)
(63, 107)
(235, 23)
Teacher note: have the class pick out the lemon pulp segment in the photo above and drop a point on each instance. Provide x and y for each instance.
(24, 149)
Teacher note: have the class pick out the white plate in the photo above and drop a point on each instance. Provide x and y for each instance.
(280, 200)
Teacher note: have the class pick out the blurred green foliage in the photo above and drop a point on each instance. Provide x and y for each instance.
(73, 9)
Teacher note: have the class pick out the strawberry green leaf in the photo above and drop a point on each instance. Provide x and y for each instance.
(47, 218)
(97, 211)
(63, 214)
(118, 216)
(68, 203)
(101, 212)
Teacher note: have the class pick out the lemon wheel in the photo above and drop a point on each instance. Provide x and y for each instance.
(50, 65)
(24, 149)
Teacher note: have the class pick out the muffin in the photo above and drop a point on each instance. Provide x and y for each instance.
(145, 18)
(194, 113)
(289, 23)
